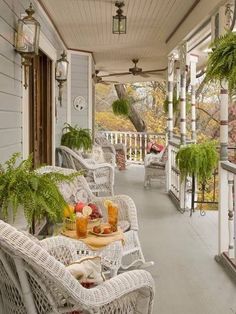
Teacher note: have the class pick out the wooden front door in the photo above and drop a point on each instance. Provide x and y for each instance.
(40, 110)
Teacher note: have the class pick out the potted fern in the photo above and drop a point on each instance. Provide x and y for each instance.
(37, 194)
(197, 161)
(75, 137)
(221, 64)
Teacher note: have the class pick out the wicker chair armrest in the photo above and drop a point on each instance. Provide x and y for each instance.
(101, 166)
(90, 161)
(127, 208)
(110, 147)
(119, 286)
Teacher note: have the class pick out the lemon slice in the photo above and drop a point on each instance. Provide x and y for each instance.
(87, 210)
(107, 203)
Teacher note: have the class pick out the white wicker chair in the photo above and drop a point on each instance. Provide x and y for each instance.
(99, 154)
(154, 167)
(79, 190)
(32, 281)
(108, 147)
(100, 177)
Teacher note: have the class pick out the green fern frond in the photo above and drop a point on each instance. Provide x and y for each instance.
(222, 61)
(121, 107)
(37, 193)
(76, 138)
(198, 159)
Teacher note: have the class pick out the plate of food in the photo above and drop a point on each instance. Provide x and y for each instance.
(103, 231)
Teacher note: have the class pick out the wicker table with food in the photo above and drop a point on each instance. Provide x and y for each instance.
(84, 225)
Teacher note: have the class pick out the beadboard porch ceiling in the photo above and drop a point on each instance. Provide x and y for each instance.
(154, 28)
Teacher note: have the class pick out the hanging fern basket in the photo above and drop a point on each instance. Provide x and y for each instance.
(199, 160)
(221, 64)
(121, 107)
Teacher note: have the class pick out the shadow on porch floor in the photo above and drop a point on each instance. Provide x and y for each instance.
(188, 280)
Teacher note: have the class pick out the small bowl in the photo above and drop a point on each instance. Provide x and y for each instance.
(95, 222)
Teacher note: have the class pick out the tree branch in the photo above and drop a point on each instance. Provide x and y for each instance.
(210, 115)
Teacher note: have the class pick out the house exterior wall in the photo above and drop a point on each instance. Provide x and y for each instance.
(81, 85)
(10, 84)
(12, 108)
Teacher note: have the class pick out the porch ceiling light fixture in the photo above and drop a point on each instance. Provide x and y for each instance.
(61, 74)
(27, 40)
(119, 20)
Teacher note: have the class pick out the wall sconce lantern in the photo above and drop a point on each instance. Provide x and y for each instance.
(119, 20)
(61, 73)
(27, 40)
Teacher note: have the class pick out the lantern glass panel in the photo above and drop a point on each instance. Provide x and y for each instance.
(119, 24)
(61, 70)
(28, 37)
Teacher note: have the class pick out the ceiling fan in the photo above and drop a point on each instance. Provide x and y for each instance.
(135, 70)
(98, 79)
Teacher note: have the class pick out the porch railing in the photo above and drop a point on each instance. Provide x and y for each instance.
(227, 209)
(135, 142)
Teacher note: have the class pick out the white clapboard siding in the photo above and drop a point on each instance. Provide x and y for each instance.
(11, 73)
(79, 87)
(9, 68)
(10, 84)
(7, 151)
(10, 136)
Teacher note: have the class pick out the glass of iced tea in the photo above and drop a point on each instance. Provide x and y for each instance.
(112, 212)
(81, 226)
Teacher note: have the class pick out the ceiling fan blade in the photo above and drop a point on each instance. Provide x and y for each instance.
(157, 70)
(116, 74)
(143, 74)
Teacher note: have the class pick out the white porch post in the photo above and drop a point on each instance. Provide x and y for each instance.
(183, 75)
(193, 65)
(223, 231)
(170, 88)
(170, 95)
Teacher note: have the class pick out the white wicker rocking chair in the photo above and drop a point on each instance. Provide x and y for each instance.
(100, 177)
(32, 281)
(79, 190)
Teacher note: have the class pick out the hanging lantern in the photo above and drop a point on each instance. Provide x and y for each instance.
(61, 73)
(27, 39)
(119, 20)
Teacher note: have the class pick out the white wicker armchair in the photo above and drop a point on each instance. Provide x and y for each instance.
(32, 281)
(108, 147)
(100, 177)
(154, 167)
(79, 191)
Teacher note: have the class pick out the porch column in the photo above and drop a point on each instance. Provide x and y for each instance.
(170, 88)
(183, 75)
(193, 65)
(223, 233)
(177, 82)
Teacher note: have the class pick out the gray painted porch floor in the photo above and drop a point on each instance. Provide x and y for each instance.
(188, 279)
